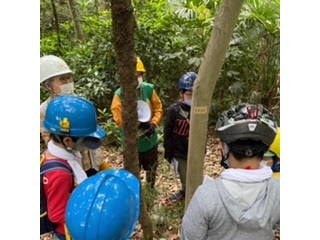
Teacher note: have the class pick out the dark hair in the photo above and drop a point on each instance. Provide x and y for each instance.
(241, 149)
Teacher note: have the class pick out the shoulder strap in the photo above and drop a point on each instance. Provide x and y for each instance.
(53, 165)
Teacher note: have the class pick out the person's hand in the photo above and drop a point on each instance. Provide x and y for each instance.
(151, 130)
(144, 125)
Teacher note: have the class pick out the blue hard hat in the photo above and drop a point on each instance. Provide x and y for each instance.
(186, 81)
(104, 206)
(72, 116)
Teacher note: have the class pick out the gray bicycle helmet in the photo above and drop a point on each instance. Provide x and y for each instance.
(247, 122)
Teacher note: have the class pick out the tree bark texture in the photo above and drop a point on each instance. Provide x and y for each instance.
(56, 22)
(76, 21)
(208, 75)
(123, 40)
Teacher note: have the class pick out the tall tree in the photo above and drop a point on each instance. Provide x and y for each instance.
(123, 40)
(76, 21)
(56, 23)
(208, 75)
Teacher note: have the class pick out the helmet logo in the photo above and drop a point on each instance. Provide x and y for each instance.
(252, 126)
(64, 125)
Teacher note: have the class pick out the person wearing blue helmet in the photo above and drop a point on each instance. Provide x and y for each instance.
(57, 78)
(72, 123)
(176, 130)
(104, 206)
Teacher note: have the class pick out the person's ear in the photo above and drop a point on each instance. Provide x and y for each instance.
(221, 146)
(47, 85)
(68, 142)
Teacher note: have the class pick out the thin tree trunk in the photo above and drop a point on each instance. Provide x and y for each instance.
(56, 23)
(123, 38)
(209, 73)
(76, 21)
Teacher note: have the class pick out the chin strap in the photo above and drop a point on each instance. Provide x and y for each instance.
(224, 161)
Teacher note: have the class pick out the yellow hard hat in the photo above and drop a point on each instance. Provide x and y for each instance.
(140, 67)
(275, 146)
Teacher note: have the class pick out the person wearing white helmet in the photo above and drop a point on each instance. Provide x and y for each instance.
(244, 202)
(57, 78)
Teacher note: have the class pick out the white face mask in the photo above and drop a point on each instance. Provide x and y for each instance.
(140, 80)
(188, 101)
(66, 89)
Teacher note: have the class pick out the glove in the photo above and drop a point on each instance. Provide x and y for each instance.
(151, 130)
(144, 125)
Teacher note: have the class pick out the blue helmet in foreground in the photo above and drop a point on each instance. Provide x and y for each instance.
(104, 206)
(186, 81)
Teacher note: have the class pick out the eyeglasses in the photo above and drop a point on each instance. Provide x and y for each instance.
(188, 94)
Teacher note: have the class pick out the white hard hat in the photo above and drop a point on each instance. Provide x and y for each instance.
(51, 66)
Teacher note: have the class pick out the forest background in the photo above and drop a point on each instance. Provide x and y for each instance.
(170, 38)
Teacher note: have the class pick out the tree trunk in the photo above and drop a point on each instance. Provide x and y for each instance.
(208, 75)
(123, 38)
(56, 23)
(76, 21)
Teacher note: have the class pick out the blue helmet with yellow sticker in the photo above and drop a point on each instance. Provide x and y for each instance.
(104, 206)
(72, 116)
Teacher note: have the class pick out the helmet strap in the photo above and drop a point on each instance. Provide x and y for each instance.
(225, 155)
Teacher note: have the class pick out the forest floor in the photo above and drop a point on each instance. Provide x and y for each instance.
(165, 214)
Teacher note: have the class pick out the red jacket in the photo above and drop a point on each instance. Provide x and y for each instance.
(57, 185)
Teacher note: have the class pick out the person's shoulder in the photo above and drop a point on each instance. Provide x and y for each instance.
(118, 91)
(174, 106)
(147, 85)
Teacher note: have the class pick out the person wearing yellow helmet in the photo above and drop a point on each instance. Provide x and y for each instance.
(272, 157)
(148, 141)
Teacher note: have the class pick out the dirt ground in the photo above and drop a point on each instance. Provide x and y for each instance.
(166, 214)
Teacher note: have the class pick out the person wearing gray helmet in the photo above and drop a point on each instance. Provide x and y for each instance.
(244, 202)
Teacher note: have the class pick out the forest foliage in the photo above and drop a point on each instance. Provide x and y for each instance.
(171, 37)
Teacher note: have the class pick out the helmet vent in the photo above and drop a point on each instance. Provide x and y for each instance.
(253, 112)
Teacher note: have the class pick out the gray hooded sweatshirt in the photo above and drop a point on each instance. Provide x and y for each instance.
(241, 204)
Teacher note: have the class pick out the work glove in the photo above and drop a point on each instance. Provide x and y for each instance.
(151, 130)
(144, 125)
